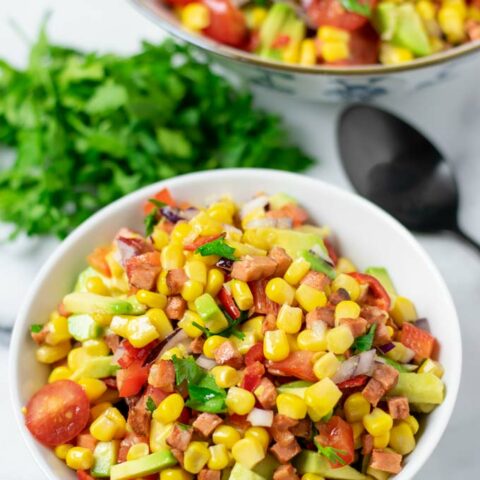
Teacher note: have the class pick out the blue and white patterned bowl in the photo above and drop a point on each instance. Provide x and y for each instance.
(323, 83)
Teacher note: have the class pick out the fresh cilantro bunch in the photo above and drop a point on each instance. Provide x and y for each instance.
(89, 128)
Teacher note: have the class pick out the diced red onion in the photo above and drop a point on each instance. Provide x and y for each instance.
(260, 418)
(387, 347)
(225, 264)
(423, 324)
(284, 222)
(361, 364)
(231, 229)
(174, 339)
(258, 202)
(205, 362)
(366, 362)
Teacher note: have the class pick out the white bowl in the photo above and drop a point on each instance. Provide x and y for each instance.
(365, 233)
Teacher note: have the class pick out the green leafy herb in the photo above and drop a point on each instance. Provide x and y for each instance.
(331, 454)
(186, 369)
(365, 342)
(357, 6)
(230, 330)
(319, 264)
(89, 128)
(150, 220)
(217, 247)
(36, 328)
(397, 366)
(207, 396)
(151, 407)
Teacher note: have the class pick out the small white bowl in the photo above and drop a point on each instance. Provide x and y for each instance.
(365, 234)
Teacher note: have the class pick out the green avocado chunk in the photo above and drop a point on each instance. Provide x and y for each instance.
(266, 467)
(271, 27)
(97, 367)
(104, 456)
(239, 472)
(419, 388)
(83, 327)
(84, 302)
(382, 275)
(311, 462)
(153, 463)
(297, 388)
(210, 313)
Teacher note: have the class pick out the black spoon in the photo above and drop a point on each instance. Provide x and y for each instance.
(396, 167)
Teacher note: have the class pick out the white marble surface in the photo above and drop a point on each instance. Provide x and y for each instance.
(450, 114)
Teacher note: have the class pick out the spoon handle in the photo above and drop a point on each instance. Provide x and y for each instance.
(467, 238)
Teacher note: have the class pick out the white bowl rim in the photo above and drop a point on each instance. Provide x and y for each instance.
(143, 193)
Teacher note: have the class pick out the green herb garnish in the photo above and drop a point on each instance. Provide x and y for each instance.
(231, 330)
(186, 369)
(150, 220)
(36, 328)
(217, 247)
(331, 454)
(151, 407)
(397, 366)
(365, 342)
(355, 6)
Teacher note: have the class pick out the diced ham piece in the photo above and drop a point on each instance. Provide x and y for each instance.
(358, 326)
(228, 354)
(196, 345)
(162, 375)
(142, 270)
(473, 29)
(139, 417)
(132, 246)
(269, 323)
(261, 303)
(325, 314)
(178, 454)
(285, 472)
(280, 429)
(386, 461)
(382, 335)
(180, 438)
(373, 392)
(303, 429)
(315, 280)
(207, 474)
(339, 296)
(286, 451)
(398, 408)
(176, 278)
(176, 307)
(279, 255)
(266, 394)
(386, 375)
(206, 423)
(129, 440)
(367, 444)
(253, 268)
(86, 440)
(373, 314)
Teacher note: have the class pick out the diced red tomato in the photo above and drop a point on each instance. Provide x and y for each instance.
(227, 23)
(337, 433)
(252, 376)
(297, 214)
(331, 250)
(261, 303)
(133, 354)
(420, 341)
(253, 41)
(255, 354)
(228, 303)
(332, 12)
(185, 416)
(131, 380)
(83, 475)
(163, 195)
(281, 41)
(297, 364)
(355, 382)
(202, 240)
(239, 421)
(58, 412)
(381, 296)
(364, 46)
(98, 261)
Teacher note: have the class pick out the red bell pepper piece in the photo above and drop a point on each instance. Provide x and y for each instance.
(98, 262)
(252, 376)
(255, 354)
(164, 196)
(418, 340)
(331, 250)
(83, 475)
(377, 289)
(355, 382)
(202, 240)
(228, 303)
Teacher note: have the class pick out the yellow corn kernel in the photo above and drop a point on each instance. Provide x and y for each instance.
(377, 422)
(59, 373)
(79, 458)
(225, 435)
(169, 409)
(141, 331)
(225, 376)
(162, 285)
(310, 298)
(312, 476)
(308, 53)
(322, 397)
(345, 265)
(248, 452)
(326, 366)
(57, 330)
(382, 440)
(291, 406)
(191, 290)
(356, 407)
(160, 238)
(289, 319)
(339, 339)
(390, 330)
(254, 325)
(347, 283)
(215, 280)
(332, 34)
(347, 309)
(138, 450)
(412, 422)
(93, 387)
(260, 434)
(159, 432)
(256, 17)
(172, 257)
(221, 212)
(473, 13)
(241, 294)
(96, 285)
(119, 325)
(175, 473)
(275, 345)
(179, 351)
(358, 430)
(240, 401)
(196, 270)
(109, 425)
(451, 18)
(186, 323)
(403, 310)
(103, 319)
(219, 458)
(205, 225)
(279, 291)
(296, 271)
(196, 457)
(52, 353)
(96, 348)
(402, 439)
(312, 340)
(335, 51)
(98, 409)
(291, 53)
(151, 299)
(111, 396)
(62, 450)
(426, 9)
(195, 16)
(211, 344)
(180, 231)
(160, 321)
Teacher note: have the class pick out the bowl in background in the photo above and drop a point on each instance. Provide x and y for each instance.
(364, 233)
